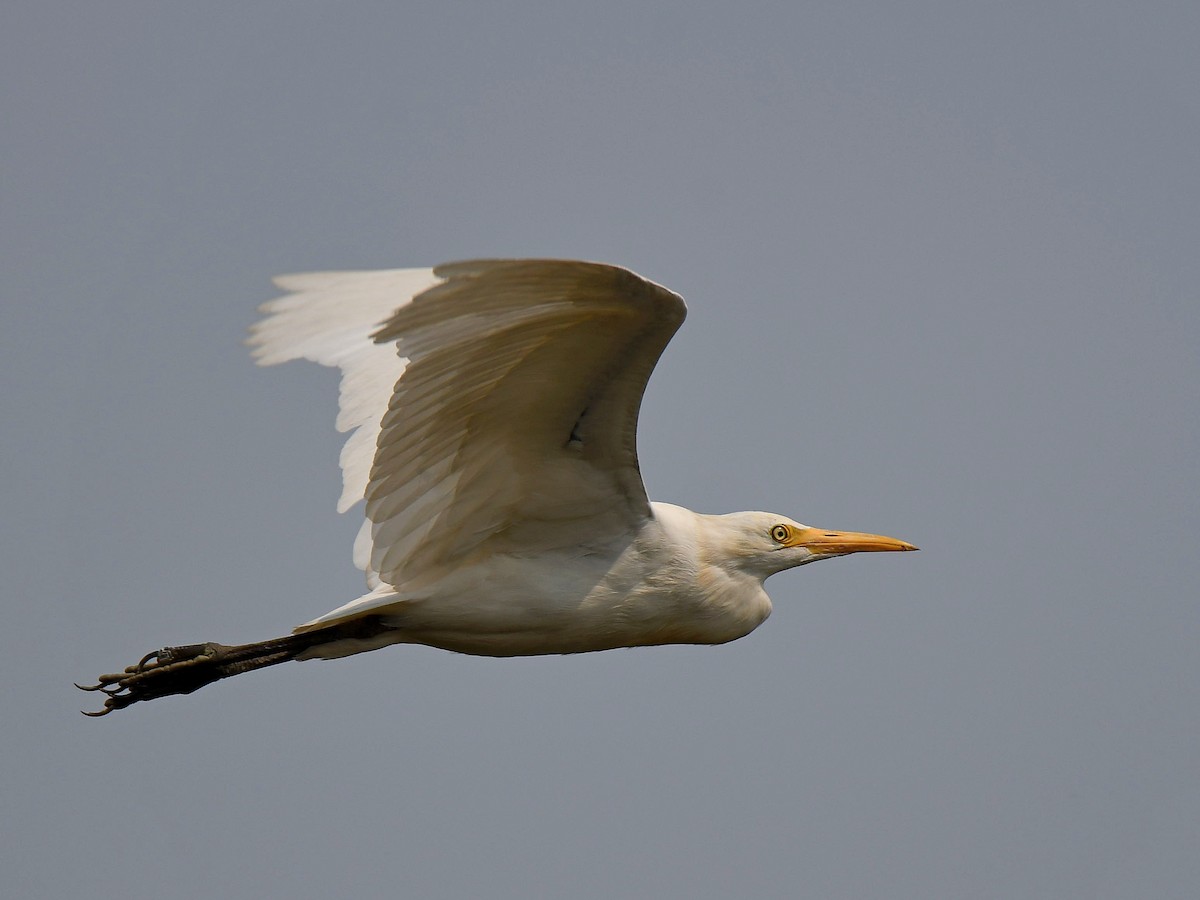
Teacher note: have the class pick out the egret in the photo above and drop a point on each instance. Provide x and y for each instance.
(492, 409)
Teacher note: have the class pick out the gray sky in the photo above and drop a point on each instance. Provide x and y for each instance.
(942, 266)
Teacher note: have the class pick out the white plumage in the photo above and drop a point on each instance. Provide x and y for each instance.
(492, 409)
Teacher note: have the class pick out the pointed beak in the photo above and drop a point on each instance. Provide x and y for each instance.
(819, 540)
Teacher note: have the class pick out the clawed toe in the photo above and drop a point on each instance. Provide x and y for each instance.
(171, 670)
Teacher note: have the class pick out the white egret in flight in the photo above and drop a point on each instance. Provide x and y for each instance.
(492, 408)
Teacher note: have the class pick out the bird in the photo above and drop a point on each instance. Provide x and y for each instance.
(492, 409)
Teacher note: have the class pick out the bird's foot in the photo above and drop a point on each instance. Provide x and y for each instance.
(171, 670)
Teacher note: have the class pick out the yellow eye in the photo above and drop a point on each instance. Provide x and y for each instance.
(781, 533)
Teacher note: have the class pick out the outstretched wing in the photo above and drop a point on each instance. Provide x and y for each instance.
(493, 403)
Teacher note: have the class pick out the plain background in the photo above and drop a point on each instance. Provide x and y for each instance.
(942, 265)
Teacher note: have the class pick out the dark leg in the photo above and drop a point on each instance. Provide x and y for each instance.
(181, 670)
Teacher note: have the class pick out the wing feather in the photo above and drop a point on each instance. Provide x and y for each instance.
(493, 403)
(329, 318)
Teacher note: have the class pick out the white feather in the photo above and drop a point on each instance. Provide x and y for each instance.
(461, 388)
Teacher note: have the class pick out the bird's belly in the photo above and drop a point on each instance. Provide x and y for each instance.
(576, 612)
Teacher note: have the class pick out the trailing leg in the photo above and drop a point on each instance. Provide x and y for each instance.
(184, 669)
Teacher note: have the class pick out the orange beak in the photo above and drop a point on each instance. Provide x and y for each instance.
(831, 543)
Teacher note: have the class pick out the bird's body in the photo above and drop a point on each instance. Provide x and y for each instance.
(493, 411)
(668, 584)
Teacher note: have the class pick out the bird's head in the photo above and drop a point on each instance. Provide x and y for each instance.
(766, 543)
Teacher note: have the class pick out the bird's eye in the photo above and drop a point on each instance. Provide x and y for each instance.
(781, 533)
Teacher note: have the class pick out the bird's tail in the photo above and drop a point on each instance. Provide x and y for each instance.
(184, 669)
